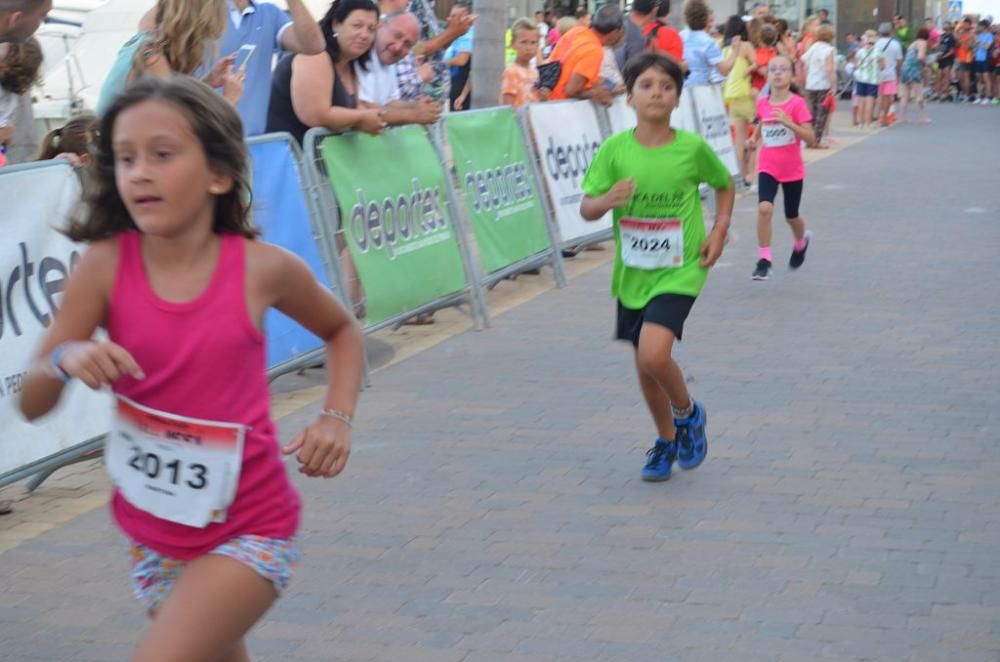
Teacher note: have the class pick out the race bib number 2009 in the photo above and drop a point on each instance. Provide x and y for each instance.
(776, 135)
(176, 468)
(652, 243)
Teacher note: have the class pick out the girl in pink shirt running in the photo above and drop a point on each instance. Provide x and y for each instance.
(784, 123)
(176, 278)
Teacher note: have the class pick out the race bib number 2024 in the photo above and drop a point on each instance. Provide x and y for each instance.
(652, 243)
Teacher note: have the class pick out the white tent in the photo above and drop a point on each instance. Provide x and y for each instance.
(74, 87)
(73, 80)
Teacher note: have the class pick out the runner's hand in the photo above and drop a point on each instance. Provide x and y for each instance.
(98, 363)
(620, 194)
(711, 249)
(322, 448)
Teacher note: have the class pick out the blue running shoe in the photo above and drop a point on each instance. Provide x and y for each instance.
(692, 445)
(661, 456)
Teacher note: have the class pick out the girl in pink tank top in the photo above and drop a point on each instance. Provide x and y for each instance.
(176, 278)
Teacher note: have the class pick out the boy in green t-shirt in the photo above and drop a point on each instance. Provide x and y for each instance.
(650, 176)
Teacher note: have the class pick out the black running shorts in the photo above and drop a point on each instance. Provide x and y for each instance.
(668, 310)
(767, 191)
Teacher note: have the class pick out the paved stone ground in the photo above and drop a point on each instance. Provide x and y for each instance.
(850, 509)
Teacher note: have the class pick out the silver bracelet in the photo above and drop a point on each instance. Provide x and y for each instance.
(339, 415)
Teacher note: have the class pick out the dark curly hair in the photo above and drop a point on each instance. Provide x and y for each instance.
(338, 13)
(219, 130)
(20, 69)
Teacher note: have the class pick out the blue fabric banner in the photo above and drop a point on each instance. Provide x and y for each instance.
(281, 212)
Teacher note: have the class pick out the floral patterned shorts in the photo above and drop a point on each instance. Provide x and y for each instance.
(153, 575)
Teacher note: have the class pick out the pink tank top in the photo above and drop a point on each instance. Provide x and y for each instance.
(203, 358)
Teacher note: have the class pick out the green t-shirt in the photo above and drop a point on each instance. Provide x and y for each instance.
(667, 180)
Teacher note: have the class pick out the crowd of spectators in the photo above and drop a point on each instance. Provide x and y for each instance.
(367, 65)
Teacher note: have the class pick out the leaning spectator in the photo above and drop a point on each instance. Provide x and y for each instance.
(759, 11)
(270, 31)
(322, 90)
(458, 57)
(183, 36)
(424, 72)
(581, 52)
(19, 19)
(378, 84)
(74, 141)
(706, 65)
(517, 87)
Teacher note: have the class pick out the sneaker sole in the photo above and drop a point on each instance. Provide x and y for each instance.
(655, 479)
(760, 277)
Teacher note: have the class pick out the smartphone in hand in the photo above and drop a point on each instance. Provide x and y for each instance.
(243, 56)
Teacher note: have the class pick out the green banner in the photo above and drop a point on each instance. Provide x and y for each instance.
(394, 213)
(495, 177)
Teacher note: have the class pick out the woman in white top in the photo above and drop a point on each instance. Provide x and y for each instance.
(821, 78)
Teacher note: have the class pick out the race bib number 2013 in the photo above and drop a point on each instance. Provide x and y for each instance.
(176, 468)
(652, 243)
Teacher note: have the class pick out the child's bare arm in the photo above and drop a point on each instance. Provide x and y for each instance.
(323, 446)
(83, 309)
(593, 208)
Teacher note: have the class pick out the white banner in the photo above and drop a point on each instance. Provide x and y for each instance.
(35, 262)
(713, 122)
(566, 136)
(622, 116)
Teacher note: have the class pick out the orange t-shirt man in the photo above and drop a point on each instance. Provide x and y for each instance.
(580, 52)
